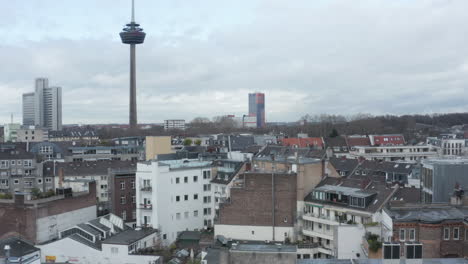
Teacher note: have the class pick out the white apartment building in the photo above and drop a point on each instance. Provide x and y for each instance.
(174, 124)
(394, 153)
(335, 217)
(174, 196)
(449, 145)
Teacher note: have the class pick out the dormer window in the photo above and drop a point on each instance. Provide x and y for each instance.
(358, 172)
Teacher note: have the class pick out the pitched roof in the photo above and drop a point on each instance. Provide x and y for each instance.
(303, 142)
(354, 141)
(335, 142)
(18, 247)
(345, 165)
(82, 168)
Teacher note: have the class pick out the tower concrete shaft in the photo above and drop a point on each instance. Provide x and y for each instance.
(133, 101)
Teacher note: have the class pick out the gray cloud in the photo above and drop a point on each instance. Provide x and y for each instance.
(339, 57)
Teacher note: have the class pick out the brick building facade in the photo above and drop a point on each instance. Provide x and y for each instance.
(441, 230)
(123, 195)
(259, 203)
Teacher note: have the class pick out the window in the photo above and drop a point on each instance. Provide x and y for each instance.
(412, 234)
(195, 178)
(195, 213)
(195, 196)
(391, 251)
(402, 234)
(186, 214)
(413, 251)
(12, 162)
(206, 211)
(178, 216)
(18, 162)
(48, 180)
(253, 232)
(207, 199)
(133, 198)
(177, 180)
(122, 185)
(124, 215)
(122, 199)
(206, 187)
(133, 184)
(164, 236)
(185, 179)
(39, 181)
(177, 198)
(206, 175)
(456, 233)
(114, 250)
(446, 233)
(16, 182)
(186, 197)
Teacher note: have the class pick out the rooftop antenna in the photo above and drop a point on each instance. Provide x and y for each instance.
(133, 11)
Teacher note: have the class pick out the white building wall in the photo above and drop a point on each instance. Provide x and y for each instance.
(348, 241)
(166, 213)
(262, 233)
(68, 250)
(49, 227)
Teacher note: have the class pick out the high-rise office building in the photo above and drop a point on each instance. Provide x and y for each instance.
(43, 107)
(257, 107)
(28, 109)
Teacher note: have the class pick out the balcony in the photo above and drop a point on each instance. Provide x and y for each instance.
(324, 234)
(146, 189)
(146, 206)
(323, 219)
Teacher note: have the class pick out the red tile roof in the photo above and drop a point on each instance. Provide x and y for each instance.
(357, 141)
(303, 142)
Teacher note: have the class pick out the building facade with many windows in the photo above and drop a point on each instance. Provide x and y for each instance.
(174, 196)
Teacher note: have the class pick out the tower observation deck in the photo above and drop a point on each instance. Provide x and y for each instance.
(132, 34)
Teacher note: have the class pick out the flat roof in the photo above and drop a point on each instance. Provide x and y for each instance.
(18, 247)
(185, 163)
(129, 236)
(265, 248)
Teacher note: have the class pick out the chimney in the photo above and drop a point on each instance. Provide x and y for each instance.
(60, 175)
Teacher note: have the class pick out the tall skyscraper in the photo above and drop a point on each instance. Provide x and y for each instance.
(28, 109)
(132, 34)
(43, 107)
(257, 107)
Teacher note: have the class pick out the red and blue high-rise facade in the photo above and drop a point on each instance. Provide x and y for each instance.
(257, 107)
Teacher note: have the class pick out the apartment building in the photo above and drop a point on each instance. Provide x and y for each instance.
(448, 145)
(76, 174)
(428, 231)
(122, 194)
(19, 171)
(394, 153)
(336, 212)
(174, 196)
(171, 124)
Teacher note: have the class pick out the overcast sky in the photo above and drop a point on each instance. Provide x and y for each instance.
(202, 58)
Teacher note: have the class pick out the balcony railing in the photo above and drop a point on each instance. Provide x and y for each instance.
(146, 206)
(146, 189)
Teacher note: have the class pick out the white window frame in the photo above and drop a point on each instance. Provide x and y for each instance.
(402, 231)
(446, 233)
(412, 234)
(458, 233)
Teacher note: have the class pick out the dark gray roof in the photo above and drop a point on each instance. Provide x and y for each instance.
(190, 235)
(89, 229)
(17, 153)
(265, 248)
(408, 195)
(346, 165)
(288, 154)
(129, 236)
(384, 166)
(223, 177)
(426, 213)
(18, 247)
(80, 168)
(86, 242)
(383, 192)
(97, 224)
